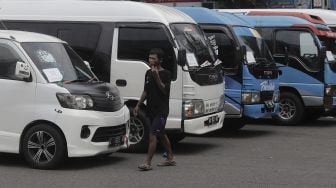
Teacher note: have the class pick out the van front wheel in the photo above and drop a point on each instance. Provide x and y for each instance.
(291, 110)
(44, 147)
(139, 132)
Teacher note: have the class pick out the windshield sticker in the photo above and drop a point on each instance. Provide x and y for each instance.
(267, 86)
(218, 62)
(212, 40)
(330, 56)
(53, 74)
(45, 56)
(255, 33)
(250, 57)
(205, 64)
(192, 61)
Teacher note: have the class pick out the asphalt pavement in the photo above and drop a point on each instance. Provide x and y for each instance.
(259, 155)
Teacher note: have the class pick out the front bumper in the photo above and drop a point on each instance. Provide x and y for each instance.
(71, 122)
(199, 125)
(257, 111)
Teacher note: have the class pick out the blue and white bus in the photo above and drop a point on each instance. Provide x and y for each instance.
(251, 76)
(302, 47)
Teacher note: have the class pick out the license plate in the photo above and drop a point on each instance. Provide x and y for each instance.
(211, 120)
(116, 141)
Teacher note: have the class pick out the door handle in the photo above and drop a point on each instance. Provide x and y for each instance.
(121, 82)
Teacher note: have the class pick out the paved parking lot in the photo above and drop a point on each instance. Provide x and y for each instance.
(260, 155)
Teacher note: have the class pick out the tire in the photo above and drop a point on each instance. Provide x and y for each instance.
(44, 147)
(233, 124)
(139, 132)
(291, 110)
(175, 138)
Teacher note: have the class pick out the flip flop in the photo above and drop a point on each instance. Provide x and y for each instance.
(167, 163)
(145, 167)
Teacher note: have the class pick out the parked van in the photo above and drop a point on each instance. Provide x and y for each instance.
(52, 106)
(308, 81)
(251, 75)
(116, 37)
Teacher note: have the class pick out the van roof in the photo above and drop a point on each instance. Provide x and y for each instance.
(24, 36)
(328, 16)
(118, 11)
(207, 16)
(288, 21)
(275, 21)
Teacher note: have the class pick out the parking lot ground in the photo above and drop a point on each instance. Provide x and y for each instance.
(259, 155)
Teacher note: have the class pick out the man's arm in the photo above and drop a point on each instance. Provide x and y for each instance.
(159, 83)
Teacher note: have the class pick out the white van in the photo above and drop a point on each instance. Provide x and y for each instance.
(116, 37)
(52, 106)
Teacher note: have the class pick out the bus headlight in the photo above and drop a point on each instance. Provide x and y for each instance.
(193, 108)
(328, 90)
(250, 97)
(79, 102)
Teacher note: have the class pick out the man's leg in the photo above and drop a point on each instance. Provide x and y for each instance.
(166, 143)
(151, 148)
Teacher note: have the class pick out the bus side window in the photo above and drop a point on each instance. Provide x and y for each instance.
(8, 59)
(135, 43)
(300, 44)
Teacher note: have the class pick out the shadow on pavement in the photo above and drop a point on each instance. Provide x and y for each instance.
(188, 148)
(15, 160)
(91, 162)
(322, 122)
(238, 134)
(7, 159)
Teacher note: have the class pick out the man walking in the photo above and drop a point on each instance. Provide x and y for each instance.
(156, 92)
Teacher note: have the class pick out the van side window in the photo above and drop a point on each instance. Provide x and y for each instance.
(299, 44)
(224, 47)
(135, 44)
(8, 59)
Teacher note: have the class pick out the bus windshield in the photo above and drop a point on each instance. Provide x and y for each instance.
(254, 43)
(191, 38)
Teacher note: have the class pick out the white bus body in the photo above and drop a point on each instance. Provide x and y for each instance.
(120, 35)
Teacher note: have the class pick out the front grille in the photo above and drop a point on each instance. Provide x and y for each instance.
(105, 134)
(206, 76)
(266, 95)
(102, 103)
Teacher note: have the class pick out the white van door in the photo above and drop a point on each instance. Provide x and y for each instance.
(17, 97)
(130, 51)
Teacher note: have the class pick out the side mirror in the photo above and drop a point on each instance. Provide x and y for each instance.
(286, 56)
(22, 70)
(323, 53)
(182, 57)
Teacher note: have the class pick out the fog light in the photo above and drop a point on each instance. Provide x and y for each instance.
(85, 133)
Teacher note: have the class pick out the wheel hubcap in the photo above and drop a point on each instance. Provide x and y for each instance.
(41, 147)
(136, 130)
(287, 109)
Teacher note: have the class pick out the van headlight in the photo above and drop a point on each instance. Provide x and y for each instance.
(250, 97)
(79, 102)
(193, 108)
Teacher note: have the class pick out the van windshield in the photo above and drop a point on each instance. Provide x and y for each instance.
(254, 43)
(192, 39)
(57, 62)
